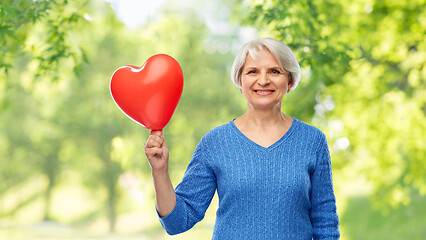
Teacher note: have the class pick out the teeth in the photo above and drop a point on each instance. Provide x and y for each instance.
(263, 91)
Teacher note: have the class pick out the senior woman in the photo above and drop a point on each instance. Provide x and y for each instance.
(272, 172)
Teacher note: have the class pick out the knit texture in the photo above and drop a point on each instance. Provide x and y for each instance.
(284, 191)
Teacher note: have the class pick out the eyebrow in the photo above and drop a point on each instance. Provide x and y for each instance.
(274, 67)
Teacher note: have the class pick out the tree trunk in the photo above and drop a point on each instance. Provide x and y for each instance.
(48, 200)
(112, 213)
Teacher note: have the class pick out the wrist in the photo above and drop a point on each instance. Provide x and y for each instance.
(164, 172)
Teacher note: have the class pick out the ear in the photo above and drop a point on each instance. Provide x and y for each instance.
(290, 84)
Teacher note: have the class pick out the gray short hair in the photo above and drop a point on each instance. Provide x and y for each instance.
(282, 53)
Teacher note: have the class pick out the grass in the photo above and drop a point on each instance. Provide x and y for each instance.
(362, 221)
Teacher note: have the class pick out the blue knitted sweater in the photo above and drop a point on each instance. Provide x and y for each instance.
(284, 191)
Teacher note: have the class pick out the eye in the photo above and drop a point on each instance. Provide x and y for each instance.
(251, 71)
(275, 71)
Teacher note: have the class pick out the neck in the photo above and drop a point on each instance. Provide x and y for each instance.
(264, 117)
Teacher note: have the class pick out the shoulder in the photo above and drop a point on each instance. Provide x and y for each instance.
(309, 132)
(218, 133)
(315, 138)
(215, 141)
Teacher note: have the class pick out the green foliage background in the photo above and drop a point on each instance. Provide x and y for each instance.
(72, 165)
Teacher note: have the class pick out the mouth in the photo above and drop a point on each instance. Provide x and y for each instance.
(264, 92)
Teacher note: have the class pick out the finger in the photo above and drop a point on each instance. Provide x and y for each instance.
(164, 146)
(154, 142)
(153, 151)
(151, 143)
(156, 132)
(156, 138)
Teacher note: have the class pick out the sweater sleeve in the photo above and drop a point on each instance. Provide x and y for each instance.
(193, 194)
(324, 218)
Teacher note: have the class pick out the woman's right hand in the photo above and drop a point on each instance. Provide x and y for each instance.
(157, 152)
(158, 156)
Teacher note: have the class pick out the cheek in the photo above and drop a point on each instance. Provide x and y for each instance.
(245, 84)
(285, 85)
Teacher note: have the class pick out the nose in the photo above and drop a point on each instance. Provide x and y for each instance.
(263, 79)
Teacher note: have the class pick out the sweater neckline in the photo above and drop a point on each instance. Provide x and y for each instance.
(275, 144)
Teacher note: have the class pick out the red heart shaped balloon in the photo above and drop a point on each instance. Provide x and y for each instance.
(148, 95)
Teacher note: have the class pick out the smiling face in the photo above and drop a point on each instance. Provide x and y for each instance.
(263, 82)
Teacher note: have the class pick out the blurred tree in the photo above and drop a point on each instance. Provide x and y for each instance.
(38, 30)
(33, 34)
(365, 63)
(15, 144)
(15, 18)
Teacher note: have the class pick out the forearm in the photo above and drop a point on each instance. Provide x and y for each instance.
(165, 196)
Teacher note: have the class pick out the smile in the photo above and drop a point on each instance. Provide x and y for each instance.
(264, 92)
